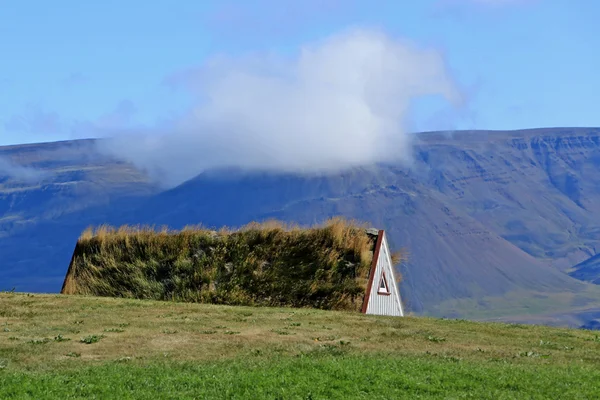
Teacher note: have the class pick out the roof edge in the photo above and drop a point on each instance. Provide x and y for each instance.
(378, 244)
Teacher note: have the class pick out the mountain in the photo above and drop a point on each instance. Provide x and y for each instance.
(493, 222)
(588, 270)
(539, 189)
(55, 192)
(452, 255)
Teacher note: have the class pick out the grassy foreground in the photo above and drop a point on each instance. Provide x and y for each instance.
(55, 346)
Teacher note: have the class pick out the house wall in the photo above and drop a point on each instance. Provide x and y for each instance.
(385, 304)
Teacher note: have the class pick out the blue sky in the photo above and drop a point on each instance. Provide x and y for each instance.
(73, 69)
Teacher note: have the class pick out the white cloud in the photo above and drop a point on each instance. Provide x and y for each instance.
(340, 102)
(19, 172)
(110, 123)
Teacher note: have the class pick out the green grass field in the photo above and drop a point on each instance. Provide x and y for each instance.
(62, 347)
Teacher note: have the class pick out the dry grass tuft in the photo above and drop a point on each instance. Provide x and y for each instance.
(270, 263)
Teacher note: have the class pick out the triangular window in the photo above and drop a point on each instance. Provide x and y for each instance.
(383, 285)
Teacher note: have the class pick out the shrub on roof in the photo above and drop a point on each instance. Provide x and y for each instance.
(268, 264)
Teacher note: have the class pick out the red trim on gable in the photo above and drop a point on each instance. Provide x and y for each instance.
(372, 271)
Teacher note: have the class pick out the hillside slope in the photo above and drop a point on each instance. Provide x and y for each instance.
(68, 186)
(588, 270)
(487, 217)
(539, 189)
(451, 254)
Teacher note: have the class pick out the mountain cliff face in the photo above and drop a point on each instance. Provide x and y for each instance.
(493, 222)
(48, 193)
(539, 189)
(588, 270)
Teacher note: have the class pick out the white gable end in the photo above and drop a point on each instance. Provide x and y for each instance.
(383, 295)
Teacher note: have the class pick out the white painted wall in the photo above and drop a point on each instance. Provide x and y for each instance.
(381, 304)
